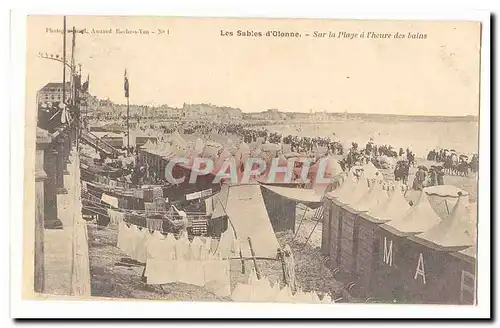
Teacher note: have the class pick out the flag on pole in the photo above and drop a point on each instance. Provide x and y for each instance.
(125, 85)
(85, 86)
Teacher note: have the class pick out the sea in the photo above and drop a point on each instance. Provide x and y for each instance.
(419, 136)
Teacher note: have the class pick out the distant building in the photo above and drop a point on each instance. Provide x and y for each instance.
(270, 114)
(53, 92)
(199, 111)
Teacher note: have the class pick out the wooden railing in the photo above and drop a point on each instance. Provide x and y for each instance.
(99, 144)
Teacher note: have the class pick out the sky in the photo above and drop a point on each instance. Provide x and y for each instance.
(194, 63)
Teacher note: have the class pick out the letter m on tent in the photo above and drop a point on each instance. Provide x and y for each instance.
(387, 252)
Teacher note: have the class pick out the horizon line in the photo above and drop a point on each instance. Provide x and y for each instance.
(476, 116)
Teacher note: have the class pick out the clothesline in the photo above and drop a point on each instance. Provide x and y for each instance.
(124, 210)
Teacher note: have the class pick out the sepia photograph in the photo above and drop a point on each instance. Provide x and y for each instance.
(252, 160)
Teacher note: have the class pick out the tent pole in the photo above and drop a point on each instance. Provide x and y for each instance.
(257, 271)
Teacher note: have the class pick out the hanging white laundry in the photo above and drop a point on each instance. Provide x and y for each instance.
(151, 244)
(128, 239)
(275, 290)
(195, 248)
(315, 298)
(115, 217)
(122, 232)
(285, 295)
(242, 293)
(133, 234)
(143, 245)
(161, 265)
(217, 279)
(113, 201)
(195, 274)
(205, 251)
(227, 243)
(158, 235)
(327, 299)
(182, 255)
(138, 252)
(209, 207)
(252, 277)
(299, 296)
(261, 290)
(154, 224)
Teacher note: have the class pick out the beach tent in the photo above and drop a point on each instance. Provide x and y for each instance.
(303, 196)
(435, 271)
(419, 218)
(244, 207)
(148, 145)
(211, 150)
(443, 198)
(332, 168)
(458, 229)
(287, 148)
(367, 240)
(350, 226)
(395, 207)
(224, 155)
(374, 198)
(371, 172)
(113, 127)
(385, 277)
(199, 145)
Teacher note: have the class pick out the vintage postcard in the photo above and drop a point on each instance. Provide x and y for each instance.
(252, 160)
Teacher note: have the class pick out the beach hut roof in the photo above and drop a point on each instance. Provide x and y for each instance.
(244, 148)
(211, 150)
(373, 198)
(470, 251)
(457, 229)
(370, 171)
(419, 218)
(443, 198)
(148, 145)
(271, 147)
(307, 197)
(332, 168)
(347, 184)
(198, 146)
(359, 190)
(166, 152)
(445, 191)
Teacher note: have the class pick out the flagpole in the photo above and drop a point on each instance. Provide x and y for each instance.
(64, 60)
(128, 127)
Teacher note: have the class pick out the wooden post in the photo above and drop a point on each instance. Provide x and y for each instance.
(281, 256)
(60, 168)
(290, 267)
(42, 142)
(257, 271)
(50, 190)
(67, 147)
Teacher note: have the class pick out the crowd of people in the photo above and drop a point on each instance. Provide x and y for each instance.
(354, 155)
(453, 163)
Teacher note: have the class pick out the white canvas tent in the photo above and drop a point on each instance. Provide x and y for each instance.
(457, 229)
(419, 218)
(244, 206)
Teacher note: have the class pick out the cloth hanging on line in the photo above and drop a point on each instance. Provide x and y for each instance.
(113, 201)
(199, 226)
(115, 217)
(171, 260)
(124, 237)
(228, 244)
(154, 224)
